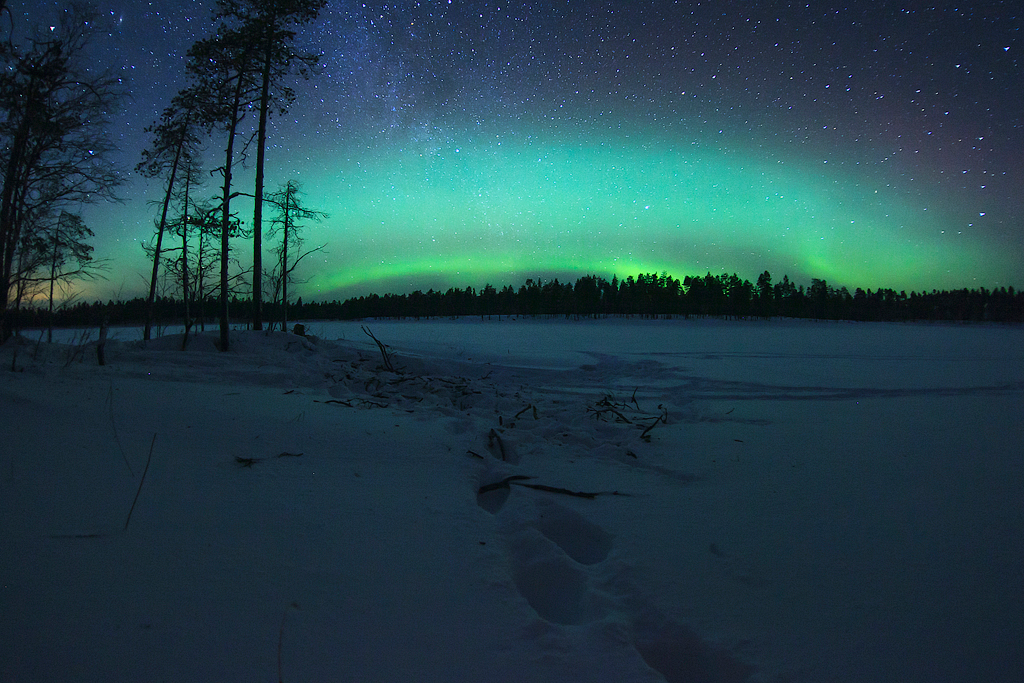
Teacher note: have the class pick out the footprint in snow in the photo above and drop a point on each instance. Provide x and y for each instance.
(551, 551)
(555, 586)
(579, 538)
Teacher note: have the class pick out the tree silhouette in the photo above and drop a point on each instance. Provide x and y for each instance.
(174, 148)
(66, 246)
(54, 110)
(223, 68)
(288, 222)
(269, 25)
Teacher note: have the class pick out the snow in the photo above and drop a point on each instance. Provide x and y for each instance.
(814, 502)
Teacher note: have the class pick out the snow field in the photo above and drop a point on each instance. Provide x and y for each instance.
(814, 503)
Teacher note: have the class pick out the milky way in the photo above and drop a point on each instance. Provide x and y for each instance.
(462, 143)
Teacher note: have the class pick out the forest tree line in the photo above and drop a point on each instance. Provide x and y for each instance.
(644, 296)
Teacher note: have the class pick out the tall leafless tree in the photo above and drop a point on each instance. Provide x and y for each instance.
(55, 151)
(288, 221)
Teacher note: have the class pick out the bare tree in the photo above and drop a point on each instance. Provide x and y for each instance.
(55, 152)
(174, 149)
(70, 257)
(288, 222)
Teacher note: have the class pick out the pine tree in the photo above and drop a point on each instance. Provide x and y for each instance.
(270, 25)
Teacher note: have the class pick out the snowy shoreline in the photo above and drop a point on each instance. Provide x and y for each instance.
(798, 502)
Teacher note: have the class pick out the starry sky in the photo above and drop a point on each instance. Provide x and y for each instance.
(464, 142)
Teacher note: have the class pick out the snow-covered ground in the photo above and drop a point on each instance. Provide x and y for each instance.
(772, 501)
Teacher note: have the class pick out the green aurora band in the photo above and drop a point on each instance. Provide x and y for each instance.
(502, 210)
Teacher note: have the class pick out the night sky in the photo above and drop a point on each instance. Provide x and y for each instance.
(458, 143)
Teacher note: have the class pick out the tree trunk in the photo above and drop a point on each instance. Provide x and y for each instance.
(225, 225)
(9, 223)
(257, 220)
(284, 261)
(184, 265)
(160, 241)
(53, 279)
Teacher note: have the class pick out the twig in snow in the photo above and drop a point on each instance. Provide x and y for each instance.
(529, 407)
(503, 484)
(555, 489)
(519, 480)
(141, 482)
(598, 413)
(280, 641)
(113, 424)
(348, 403)
(646, 435)
(383, 349)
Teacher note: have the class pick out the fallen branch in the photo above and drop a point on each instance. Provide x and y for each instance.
(348, 403)
(529, 407)
(519, 479)
(646, 434)
(608, 409)
(141, 482)
(555, 489)
(503, 484)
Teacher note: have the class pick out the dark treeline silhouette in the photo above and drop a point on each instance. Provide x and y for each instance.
(653, 295)
(645, 296)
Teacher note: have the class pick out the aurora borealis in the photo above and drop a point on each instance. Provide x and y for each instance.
(462, 143)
